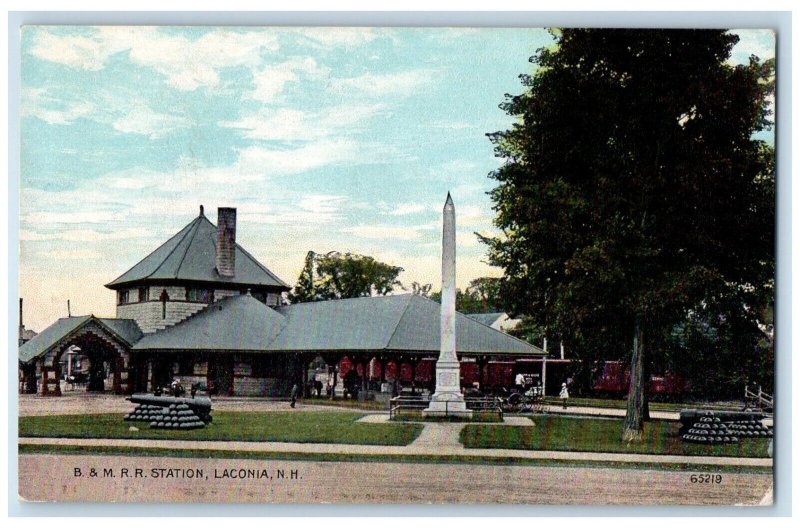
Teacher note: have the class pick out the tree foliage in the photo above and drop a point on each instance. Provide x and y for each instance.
(481, 296)
(342, 276)
(633, 192)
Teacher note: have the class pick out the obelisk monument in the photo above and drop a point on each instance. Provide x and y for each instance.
(448, 398)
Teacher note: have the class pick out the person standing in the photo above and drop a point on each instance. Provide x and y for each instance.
(564, 394)
(294, 395)
(519, 381)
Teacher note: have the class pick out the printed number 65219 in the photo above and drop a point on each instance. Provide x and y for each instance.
(705, 478)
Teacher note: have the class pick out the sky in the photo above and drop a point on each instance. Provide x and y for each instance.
(324, 139)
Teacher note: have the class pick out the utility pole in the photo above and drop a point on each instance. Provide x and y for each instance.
(544, 369)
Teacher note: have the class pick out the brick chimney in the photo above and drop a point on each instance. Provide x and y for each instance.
(226, 241)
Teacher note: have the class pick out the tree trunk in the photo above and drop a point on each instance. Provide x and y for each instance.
(637, 410)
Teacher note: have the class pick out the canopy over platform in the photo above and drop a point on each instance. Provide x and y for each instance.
(398, 323)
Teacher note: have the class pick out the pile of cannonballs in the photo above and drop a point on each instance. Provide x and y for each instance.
(710, 429)
(750, 429)
(174, 416)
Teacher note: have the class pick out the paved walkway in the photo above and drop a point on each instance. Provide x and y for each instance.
(612, 413)
(81, 402)
(443, 434)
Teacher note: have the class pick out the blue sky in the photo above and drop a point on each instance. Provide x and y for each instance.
(323, 138)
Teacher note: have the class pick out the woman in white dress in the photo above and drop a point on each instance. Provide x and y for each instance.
(564, 395)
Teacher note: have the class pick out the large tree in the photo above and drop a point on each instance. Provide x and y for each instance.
(342, 276)
(633, 193)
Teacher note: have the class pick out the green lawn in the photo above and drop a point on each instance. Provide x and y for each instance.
(583, 434)
(278, 426)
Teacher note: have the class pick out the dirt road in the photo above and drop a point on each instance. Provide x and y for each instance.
(145, 479)
(80, 402)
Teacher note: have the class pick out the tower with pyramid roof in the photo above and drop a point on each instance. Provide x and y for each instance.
(199, 265)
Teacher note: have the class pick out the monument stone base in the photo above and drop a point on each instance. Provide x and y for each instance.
(447, 400)
(444, 408)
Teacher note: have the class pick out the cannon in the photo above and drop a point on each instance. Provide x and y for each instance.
(170, 412)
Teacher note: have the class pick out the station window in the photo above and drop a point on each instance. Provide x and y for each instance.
(124, 297)
(144, 294)
(260, 296)
(200, 295)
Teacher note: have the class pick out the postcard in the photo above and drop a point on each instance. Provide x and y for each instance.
(374, 265)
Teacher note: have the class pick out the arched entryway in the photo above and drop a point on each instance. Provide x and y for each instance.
(104, 355)
(104, 363)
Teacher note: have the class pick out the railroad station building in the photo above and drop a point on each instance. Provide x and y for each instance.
(201, 309)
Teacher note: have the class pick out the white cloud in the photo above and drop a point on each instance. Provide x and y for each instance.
(384, 232)
(47, 218)
(37, 103)
(473, 215)
(380, 84)
(341, 36)
(298, 220)
(144, 121)
(271, 81)
(186, 64)
(84, 235)
(267, 161)
(79, 52)
(466, 214)
(408, 208)
(467, 239)
(288, 124)
(122, 113)
(321, 203)
(310, 209)
(72, 254)
(452, 125)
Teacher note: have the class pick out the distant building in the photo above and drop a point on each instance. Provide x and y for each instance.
(25, 334)
(497, 320)
(202, 309)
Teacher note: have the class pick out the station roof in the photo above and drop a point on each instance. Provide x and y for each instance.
(239, 323)
(126, 330)
(190, 256)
